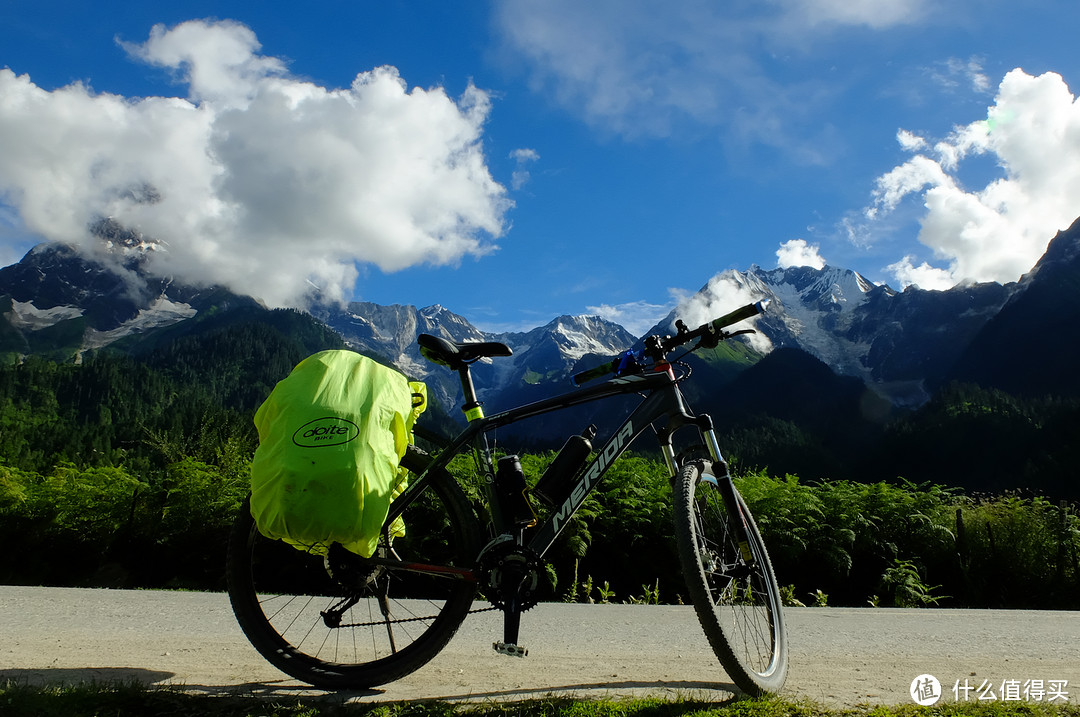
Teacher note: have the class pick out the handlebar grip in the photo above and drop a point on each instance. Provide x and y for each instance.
(596, 372)
(739, 314)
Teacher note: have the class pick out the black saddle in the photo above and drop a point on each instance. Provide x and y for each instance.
(455, 355)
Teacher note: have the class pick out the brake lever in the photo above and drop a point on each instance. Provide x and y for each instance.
(712, 340)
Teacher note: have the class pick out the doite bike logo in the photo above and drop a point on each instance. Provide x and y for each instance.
(327, 431)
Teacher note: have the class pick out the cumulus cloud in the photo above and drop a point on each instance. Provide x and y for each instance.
(724, 293)
(996, 232)
(796, 252)
(910, 141)
(256, 179)
(923, 276)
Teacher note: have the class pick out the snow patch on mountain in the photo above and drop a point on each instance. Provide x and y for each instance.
(24, 315)
(584, 335)
(818, 305)
(409, 366)
(161, 312)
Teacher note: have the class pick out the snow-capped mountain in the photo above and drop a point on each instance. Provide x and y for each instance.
(899, 342)
(551, 351)
(902, 344)
(59, 303)
(544, 355)
(390, 332)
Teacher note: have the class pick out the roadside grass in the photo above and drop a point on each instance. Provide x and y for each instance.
(124, 699)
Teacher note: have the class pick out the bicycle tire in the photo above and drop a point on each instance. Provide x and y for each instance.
(738, 606)
(278, 594)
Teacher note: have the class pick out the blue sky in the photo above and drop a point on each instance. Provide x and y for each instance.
(515, 161)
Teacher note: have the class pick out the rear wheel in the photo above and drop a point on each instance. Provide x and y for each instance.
(737, 601)
(342, 622)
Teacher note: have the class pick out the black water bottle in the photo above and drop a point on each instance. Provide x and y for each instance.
(510, 490)
(558, 479)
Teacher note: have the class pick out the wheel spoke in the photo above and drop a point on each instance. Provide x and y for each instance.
(737, 600)
(334, 622)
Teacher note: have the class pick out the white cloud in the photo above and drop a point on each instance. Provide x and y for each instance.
(871, 13)
(525, 155)
(955, 74)
(999, 231)
(218, 61)
(637, 317)
(639, 68)
(923, 276)
(523, 158)
(796, 252)
(257, 179)
(897, 183)
(909, 141)
(724, 293)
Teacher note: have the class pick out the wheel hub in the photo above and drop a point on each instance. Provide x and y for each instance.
(349, 570)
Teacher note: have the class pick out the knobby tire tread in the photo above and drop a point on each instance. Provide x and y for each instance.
(746, 677)
(332, 675)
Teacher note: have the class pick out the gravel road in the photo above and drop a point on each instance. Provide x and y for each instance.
(839, 656)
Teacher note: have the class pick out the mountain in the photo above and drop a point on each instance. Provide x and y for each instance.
(903, 344)
(57, 303)
(1030, 347)
(791, 413)
(389, 334)
(543, 359)
(844, 378)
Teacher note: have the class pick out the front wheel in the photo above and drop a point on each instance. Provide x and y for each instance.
(342, 622)
(737, 600)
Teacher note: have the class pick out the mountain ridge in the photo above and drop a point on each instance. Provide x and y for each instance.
(903, 345)
(844, 379)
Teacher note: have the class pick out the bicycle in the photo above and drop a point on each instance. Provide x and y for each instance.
(341, 621)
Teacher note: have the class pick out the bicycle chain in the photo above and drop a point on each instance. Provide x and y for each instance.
(411, 619)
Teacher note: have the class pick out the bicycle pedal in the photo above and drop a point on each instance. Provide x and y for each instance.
(508, 648)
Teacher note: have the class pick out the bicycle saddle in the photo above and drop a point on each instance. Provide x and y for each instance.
(448, 353)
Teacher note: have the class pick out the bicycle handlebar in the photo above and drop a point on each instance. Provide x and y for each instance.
(711, 332)
(746, 312)
(595, 372)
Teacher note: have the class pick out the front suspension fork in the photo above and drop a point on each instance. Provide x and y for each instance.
(721, 478)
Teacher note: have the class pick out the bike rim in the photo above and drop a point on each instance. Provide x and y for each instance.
(743, 602)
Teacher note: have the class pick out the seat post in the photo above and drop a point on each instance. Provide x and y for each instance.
(471, 408)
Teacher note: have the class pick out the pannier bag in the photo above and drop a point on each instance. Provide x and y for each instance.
(331, 437)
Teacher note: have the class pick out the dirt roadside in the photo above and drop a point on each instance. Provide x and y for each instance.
(839, 656)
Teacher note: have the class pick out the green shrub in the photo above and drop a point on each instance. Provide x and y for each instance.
(883, 543)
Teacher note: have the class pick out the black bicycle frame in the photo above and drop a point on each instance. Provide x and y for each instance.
(664, 399)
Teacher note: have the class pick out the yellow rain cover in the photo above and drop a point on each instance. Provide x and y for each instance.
(331, 436)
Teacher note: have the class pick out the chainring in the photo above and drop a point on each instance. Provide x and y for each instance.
(508, 570)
